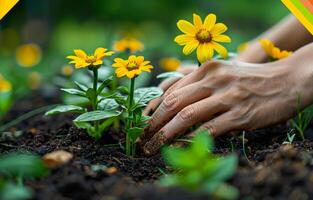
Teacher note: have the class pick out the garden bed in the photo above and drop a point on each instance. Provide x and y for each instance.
(100, 169)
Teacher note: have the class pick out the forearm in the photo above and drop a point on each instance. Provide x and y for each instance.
(289, 34)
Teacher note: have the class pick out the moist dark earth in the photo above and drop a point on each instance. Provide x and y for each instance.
(267, 169)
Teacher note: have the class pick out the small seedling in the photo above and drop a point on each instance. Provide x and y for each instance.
(290, 137)
(302, 119)
(198, 169)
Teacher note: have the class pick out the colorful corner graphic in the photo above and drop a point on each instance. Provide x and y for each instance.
(303, 10)
(6, 6)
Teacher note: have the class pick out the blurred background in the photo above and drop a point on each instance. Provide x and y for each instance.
(37, 35)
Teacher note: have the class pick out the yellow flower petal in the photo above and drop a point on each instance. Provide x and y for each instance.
(186, 27)
(140, 59)
(209, 21)
(220, 49)
(99, 51)
(204, 52)
(131, 74)
(147, 68)
(197, 21)
(221, 38)
(98, 62)
(190, 47)
(80, 53)
(183, 39)
(218, 29)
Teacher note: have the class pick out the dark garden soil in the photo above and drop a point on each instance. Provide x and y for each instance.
(269, 170)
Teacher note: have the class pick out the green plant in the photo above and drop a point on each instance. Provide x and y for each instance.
(198, 169)
(13, 169)
(134, 100)
(302, 119)
(290, 137)
(103, 109)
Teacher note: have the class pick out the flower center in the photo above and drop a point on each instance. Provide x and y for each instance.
(203, 36)
(132, 66)
(91, 59)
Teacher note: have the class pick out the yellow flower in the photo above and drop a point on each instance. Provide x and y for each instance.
(203, 36)
(28, 55)
(67, 70)
(128, 43)
(272, 51)
(34, 80)
(170, 64)
(82, 60)
(5, 86)
(132, 67)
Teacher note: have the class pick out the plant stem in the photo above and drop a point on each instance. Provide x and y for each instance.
(129, 143)
(95, 100)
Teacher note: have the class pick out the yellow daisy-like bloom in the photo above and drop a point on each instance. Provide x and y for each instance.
(170, 64)
(67, 70)
(82, 60)
(203, 36)
(272, 51)
(131, 67)
(128, 43)
(28, 55)
(5, 86)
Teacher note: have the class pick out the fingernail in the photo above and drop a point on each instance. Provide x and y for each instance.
(153, 146)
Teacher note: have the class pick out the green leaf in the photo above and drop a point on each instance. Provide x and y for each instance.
(169, 180)
(144, 95)
(10, 191)
(91, 94)
(123, 89)
(134, 133)
(202, 143)
(171, 75)
(108, 104)
(74, 92)
(185, 161)
(81, 86)
(226, 167)
(5, 102)
(65, 108)
(97, 115)
(104, 84)
(83, 125)
(22, 164)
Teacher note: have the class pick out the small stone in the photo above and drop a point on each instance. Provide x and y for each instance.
(111, 170)
(57, 158)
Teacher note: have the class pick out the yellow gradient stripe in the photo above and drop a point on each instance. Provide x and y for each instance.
(299, 15)
(6, 6)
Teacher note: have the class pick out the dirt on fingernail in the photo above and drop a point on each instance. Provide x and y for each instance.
(153, 146)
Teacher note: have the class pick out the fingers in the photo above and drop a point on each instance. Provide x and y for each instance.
(171, 105)
(156, 102)
(190, 115)
(164, 86)
(218, 126)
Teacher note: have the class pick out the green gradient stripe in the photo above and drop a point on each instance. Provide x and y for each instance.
(305, 12)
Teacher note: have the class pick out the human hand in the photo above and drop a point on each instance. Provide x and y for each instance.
(227, 96)
(165, 85)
